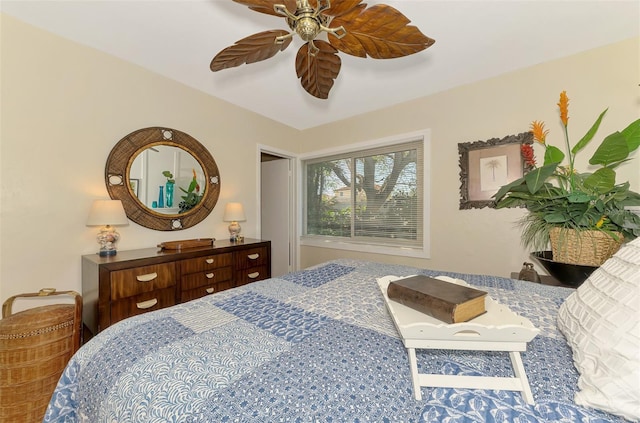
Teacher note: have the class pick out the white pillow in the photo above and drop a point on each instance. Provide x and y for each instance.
(601, 322)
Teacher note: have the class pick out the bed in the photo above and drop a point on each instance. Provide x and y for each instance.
(316, 345)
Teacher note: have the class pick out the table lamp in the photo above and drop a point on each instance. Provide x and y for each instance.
(107, 213)
(234, 213)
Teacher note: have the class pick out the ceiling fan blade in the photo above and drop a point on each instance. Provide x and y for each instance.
(266, 6)
(318, 70)
(380, 31)
(338, 7)
(251, 49)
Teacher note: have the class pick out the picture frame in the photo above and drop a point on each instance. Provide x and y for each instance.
(485, 166)
(133, 183)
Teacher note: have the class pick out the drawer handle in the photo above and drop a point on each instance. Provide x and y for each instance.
(209, 260)
(210, 290)
(253, 256)
(147, 304)
(146, 278)
(254, 275)
(209, 275)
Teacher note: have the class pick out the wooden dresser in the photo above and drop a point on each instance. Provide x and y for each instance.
(137, 281)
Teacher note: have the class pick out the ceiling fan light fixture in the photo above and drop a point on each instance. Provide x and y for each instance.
(379, 31)
(307, 28)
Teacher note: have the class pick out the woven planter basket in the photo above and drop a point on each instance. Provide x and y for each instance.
(35, 346)
(587, 248)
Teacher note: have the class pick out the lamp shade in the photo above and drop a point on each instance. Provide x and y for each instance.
(107, 212)
(234, 212)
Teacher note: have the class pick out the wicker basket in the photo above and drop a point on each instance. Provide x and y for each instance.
(35, 346)
(587, 248)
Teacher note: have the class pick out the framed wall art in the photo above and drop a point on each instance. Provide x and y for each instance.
(134, 185)
(485, 166)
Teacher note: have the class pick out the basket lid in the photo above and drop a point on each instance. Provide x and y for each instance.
(29, 322)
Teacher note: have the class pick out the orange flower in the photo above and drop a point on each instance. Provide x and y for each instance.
(197, 185)
(563, 104)
(539, 133)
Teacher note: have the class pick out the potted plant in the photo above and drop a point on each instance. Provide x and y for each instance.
(582, 215)
(193, 195)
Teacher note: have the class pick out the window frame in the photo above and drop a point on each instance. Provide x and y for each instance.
(378, 245)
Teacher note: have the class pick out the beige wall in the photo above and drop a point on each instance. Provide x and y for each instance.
(486, 240)
(64, 106)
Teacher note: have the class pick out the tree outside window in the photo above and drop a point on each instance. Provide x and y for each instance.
(368, 195)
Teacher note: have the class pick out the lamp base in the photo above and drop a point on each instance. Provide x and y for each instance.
(107, 238)
(234, 231)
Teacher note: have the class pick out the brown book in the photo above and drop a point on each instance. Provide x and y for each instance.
(446, 301)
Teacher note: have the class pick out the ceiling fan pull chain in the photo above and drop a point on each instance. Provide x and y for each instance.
(310, 46)
(313, 50)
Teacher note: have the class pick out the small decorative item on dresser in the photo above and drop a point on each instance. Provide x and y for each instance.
(107, 213)
(187, 243)
(234, 213)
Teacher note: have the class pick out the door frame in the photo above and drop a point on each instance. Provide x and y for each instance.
(292, 158)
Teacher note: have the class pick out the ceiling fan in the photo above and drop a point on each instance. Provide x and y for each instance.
(379, 31)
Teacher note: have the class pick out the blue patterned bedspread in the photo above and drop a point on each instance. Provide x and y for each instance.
(313, 346)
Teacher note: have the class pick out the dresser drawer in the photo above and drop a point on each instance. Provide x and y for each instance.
(205, 278)
(142, 303)
(201, 291)
(131, 282)
(201, 264)
(251, 257)
(253, 274)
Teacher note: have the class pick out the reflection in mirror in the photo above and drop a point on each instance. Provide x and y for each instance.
(167, 179)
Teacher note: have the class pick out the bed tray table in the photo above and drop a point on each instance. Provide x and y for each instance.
(499, 329)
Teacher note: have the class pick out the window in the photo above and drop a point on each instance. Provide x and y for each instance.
(368, 199)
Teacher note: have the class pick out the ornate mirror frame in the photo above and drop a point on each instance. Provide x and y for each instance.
(117, 178)
(506, 150)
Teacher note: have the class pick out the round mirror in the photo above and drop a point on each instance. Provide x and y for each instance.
(165, 178)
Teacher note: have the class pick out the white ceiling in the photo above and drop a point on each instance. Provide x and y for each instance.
(475, 40)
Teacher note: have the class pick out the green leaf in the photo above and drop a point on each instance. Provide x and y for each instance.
(579, 197)
(613, 149)
(632, 134)
(553, 155)
(630, 201)
(537, 177)
(556, 217)
(506, 188)
(602, 180)
(510, 202)
(589, 135)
